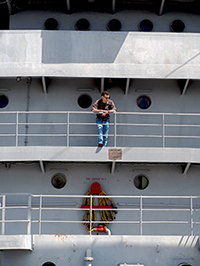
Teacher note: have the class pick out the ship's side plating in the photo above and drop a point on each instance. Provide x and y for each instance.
(56, 58)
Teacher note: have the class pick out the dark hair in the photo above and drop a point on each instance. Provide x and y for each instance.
(104, 92)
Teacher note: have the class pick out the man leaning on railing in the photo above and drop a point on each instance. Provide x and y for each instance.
(103, 108)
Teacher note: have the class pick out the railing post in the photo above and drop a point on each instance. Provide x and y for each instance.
(3, 214)
(29, 216)
(67, 129)
(90, 213)
(163, 123)
(191, 217)
(115, 129)
(40, 216)
(141, 215)
(16, 130)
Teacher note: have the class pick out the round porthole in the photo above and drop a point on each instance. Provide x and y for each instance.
(141, 182)
(114, 25)
(177, 26)
(58, 181)
(184, 264)
(51, 24)
(82, 24)
(143, 102)
(146, 25)
(3, 101)
(84, 101)
(48, 264)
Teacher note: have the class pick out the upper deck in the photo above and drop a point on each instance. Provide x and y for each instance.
(101, 54)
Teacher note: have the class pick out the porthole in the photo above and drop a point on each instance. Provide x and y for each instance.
(114, 25)
(143, 102)
(141, 182)
(184, 264)
(146, 25)
(84, 101)
(177, 26)
(3, 101)
(51, 24)
(82, 24)
(58, 181)
(49, 264)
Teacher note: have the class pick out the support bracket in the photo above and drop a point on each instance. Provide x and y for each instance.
(42, 167)
(186, 168)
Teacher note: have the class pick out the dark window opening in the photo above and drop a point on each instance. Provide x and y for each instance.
(4, 16)
(146, 25)
(58, 181)
(177, 26)
(48, 264)
(51, 24)
(82, 24)
(143, 102)
(184, 264)
(141, 182)
(3, 101)
(84, 101)
(114, 25)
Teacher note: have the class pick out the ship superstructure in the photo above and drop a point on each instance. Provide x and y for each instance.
(66, 201)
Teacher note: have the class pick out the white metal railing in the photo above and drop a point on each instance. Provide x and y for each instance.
(149, 210)
(70, 128)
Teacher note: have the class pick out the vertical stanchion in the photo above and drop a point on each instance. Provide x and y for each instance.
(191, 219)
(140, 215)
(163, 130)
(67, 129)
(115, 129)
(29, 216)
(16, 130)
(40, 216)
(90, 214)
(3, 214)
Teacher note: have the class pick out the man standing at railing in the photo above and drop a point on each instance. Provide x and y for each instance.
(103, 108)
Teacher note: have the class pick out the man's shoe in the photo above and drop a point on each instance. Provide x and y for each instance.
(100, 145)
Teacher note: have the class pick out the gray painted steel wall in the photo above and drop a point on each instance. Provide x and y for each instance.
(99, 54)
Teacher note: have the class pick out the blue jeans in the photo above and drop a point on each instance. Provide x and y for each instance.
(103, 130)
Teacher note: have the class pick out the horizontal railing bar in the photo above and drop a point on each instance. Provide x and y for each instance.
(108, 196)
(181, 125)
(14, 207)
(133, 124)
(89, 112)
(42, 135)
(145, 209)
(143, 136)
(190, 137)
(7, 124)
(13, 221)
(43, 124)
(165, 222)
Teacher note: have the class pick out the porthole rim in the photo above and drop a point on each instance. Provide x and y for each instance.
(111, 20)
(75, 24)
(170, 26)
(1, 94)
(53, 19)
(139, 28)
(143, 95)
(61, 175)
(87, 96)
(141, 174)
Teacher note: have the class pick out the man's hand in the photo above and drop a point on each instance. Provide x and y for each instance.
(105, 112)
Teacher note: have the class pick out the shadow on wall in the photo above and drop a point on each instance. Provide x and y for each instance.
(81, 47)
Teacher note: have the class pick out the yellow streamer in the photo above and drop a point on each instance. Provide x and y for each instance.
(106, 215)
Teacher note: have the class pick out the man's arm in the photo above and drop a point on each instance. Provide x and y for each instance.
(99, 111)
(112, 111)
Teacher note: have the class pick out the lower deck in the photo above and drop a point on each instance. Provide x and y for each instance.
(57, 250)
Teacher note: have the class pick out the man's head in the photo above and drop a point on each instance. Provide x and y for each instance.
(105, 96)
